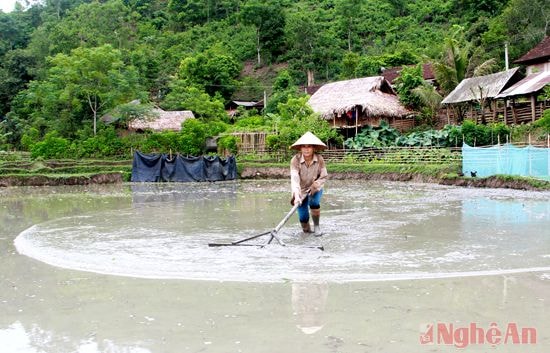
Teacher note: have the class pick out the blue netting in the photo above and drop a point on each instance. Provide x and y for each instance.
(506, 159)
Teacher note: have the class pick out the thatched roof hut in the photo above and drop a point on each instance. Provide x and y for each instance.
(162, 120)
(482, 87)
(373, 96)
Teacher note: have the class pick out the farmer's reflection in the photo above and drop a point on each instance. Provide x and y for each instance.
(308, 305)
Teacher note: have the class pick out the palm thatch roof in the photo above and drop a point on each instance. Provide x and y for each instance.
(163, 120)
(481, 87)
(373, 95)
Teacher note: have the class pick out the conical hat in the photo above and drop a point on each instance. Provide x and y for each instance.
(309, 139)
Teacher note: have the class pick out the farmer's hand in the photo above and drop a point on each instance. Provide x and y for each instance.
(296, 198)
(315, 187)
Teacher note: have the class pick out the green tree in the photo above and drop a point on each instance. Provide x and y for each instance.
(409, 78)
(348, 11)
(295, 118)
(215, 73)
(522, 24)
(84, 83)
(350, 63)
(304, 38)
(14, 76)
(269, 20)
(185, 97)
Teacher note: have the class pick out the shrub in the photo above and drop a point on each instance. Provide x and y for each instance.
(229, 143)
(544, 122)
(52, 147)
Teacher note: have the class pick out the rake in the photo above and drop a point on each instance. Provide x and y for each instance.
(273, 234)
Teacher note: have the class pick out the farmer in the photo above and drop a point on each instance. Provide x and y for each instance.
(308, 172)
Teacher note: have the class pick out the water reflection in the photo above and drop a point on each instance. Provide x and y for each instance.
(143, 193)
(309, 300)
(17, 338)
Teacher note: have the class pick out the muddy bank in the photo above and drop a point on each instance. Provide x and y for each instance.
(489, 182)
(48, 180)
(283, 173)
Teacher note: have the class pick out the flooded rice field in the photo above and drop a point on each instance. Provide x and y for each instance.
(406, 267)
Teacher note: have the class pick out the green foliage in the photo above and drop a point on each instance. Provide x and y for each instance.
(193, 137)
(409, 78)
(380, 136)
(294, 118)
(30, 137)
(284, 89)
(105, 143)
(227, 143)
(64, 63)
(214, 73)
(350, 63)
(250, 123)
(484, 135)
(78, 87)
(544, 122)
(184, 97)
(52, 146)
(269, 21)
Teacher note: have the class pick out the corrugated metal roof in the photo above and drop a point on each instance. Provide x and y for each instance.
(530, 84)
(539, 53)
(488, 86)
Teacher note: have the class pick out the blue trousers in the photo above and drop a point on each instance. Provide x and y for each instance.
(313, 202)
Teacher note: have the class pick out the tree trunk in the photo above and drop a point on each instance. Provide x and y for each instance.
(258, 45)
(310, 77)
(93, 107)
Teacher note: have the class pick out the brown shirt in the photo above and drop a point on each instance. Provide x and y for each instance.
(302, 175)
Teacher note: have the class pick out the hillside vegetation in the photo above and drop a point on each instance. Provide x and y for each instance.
(66, 63)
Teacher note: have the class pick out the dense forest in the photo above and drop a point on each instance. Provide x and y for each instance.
(65, 63)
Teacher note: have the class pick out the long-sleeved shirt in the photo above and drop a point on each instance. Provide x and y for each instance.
(302, 176)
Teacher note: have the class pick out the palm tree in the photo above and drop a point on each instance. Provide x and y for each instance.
(459, 61)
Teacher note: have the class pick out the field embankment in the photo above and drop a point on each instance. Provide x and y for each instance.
(23, 171)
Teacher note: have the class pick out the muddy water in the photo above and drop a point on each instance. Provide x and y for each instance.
(127, 269)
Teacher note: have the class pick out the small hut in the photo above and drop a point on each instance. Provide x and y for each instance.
(162, 121)
(352, 104)
(480, 93)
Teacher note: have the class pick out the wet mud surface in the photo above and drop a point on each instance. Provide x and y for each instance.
(126, 268)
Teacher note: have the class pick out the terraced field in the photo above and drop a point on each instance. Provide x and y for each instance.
(19, 169)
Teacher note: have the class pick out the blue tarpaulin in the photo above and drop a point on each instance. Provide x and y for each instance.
(506, 159)
(161, 168)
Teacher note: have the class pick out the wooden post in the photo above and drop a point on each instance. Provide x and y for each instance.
(494, 111)
(505, 112)
(533, 107)
(514, 115)
(356, 121)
